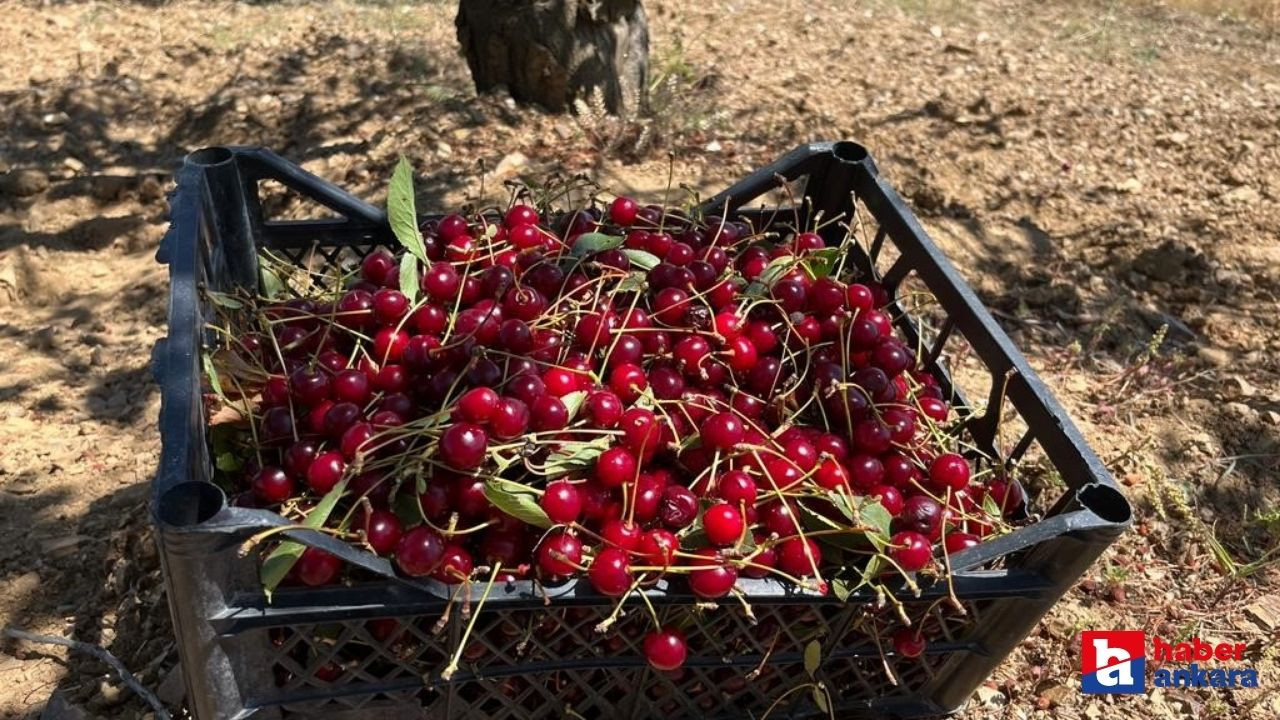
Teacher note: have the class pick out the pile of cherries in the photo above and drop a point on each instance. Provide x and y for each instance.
(622, 395)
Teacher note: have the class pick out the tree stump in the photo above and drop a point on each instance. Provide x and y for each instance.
(550, 52)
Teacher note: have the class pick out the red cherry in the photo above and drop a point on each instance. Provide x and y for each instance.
(464, 445)
(477, 405)
(616, 466)
(520, 215)
(510, 419)
(610, 572)
(641, 434)
(737, 487)
(934, 408)
(548, 413)
(910, 550)
(799, 556)
(419, 552)
(779, 519)
(559, 554)
(389, 345)
(659, 547)
(889, 497)
(713, 579)
(316, 567)
(441, 281)
(603, 409)
(722, 431)
(831, 475)
(452, 226)
(377, 265)
(764, 561)
(623, 211)
(622, 534)
(382, 531)
(309, 385)
(628, 381)
(455, 565)
(679, 507)
(949, 470)
(389, 306)
(351, 386)
(722, 524)
(909, 642)
(955, 542)
(325, 472)
(562, 502)
(865, 472)
(665, 649)
(272, 484)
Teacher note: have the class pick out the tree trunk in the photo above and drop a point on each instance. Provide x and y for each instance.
(550, 52)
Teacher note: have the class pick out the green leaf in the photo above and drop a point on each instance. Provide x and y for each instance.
(634, 282)
(571, 456)
(272, 285)
(642, 259)
(409, 280)
(402, 213)
(228, 462)
(820, 263)
(223, 300)
(840, 587)
(812, 657)
(281, 560)
(873, 569)
(589, 243)
(990, 506)
(776, 268)
(516, 500)
(820, 698)
(408, 509)
(874, 515)
(212, 373)
(573, 402)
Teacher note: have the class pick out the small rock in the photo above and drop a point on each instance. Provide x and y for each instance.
(1214, 356)
(1131, 185)
(172, 689)
(73, 164)
(1237, 386)
(1173, 139)
(1169, 262)
(24, 182)
(109, 694)
(713, 146)
(61, 546)
(510, 166)
(1242, 195)
(108, 188)
(57, 708)
(1240, 410)
(936, 31)
(150, 189)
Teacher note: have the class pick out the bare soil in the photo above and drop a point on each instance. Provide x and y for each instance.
(1106, 175)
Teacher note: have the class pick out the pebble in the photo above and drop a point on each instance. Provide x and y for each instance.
(23, 182)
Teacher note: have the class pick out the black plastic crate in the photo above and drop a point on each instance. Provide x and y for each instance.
(242, 656)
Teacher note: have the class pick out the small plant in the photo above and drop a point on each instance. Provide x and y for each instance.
(674, 111)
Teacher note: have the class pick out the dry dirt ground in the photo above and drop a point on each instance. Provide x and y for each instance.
(1106, 175)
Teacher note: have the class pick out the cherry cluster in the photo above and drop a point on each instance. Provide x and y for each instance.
(623, 395)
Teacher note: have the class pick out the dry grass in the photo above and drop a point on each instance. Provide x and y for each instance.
(1266, 12)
